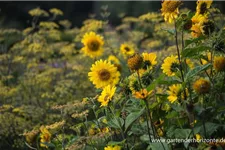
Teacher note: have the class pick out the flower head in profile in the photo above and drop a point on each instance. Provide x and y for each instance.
(93, 44)
(106, 95)
(149, 60)
(196, 30)
(113, 59)
(142, 94)
(198, 18)
(201, 86)
(203, 6)
(116, 147)
(127, 49)
(170, 10)
(170, 65)
(133, 83)
(174, 91)
(45, 136)
(103, 73)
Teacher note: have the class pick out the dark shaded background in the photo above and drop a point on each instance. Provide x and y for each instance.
(15, 14)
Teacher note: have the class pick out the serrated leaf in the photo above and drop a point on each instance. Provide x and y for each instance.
(116, 122)
(158, 146)
(132, 117)
(210, 128)
(172, 114)
(196, 70)
(182, 133)
(192, 52)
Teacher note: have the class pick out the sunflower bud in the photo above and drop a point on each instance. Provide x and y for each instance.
(219, 63)
(187, 25)
(135, 62)
(201, 86)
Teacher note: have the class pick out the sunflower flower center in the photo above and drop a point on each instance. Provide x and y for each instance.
(106, 98)
(135, 85)
(104, 74)
(208, 27)
(174, 67)
(203, 8)
(127, 49)
(146, 64)
(94, 45)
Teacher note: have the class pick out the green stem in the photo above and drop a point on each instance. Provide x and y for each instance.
(149, 134)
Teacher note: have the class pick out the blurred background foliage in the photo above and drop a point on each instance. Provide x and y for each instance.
(43, 77)
(14, 14)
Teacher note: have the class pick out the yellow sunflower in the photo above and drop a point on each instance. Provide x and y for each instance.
(149, 60)
(127, 49)
(170, 10)
(174, 91)
(190, 63)
(116, 147)
(201, 86)
(207, 59)
(106, 95)
(198, 18)
(196, 30)
(103, 73)
(133, 83)
(219, 63)
(170, 65)
(45, 136)
(203, 6)
(113, 59)
(142, 94)
(93, 44)
(158, 123)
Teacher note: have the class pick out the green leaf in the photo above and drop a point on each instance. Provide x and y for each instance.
(49, 145)
(144, 138)
(192, 52)
(116, 122)
(182, 133)
(172, 114)
(158, 145)
(132, 117)
(155, 82)
(210, 128)
(113, 143)
(196, 70)
(190, 41)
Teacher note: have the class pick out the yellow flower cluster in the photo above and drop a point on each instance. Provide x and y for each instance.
(37, 12)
